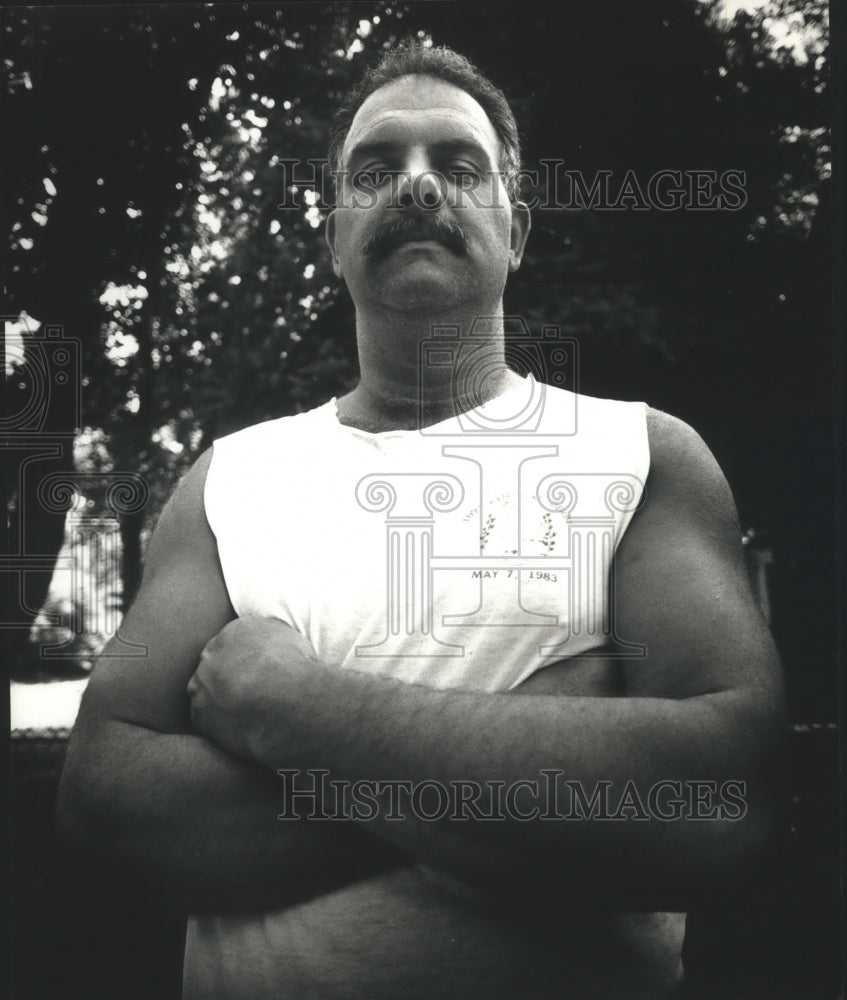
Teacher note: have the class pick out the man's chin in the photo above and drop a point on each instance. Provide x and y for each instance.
(417, 288)
(413, 264)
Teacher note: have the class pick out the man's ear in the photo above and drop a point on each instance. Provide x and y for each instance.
(329, 236)
(521, 223)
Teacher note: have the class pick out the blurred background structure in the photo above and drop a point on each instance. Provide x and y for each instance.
(167, 282)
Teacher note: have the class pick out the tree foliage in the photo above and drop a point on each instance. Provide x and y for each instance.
(156, 214)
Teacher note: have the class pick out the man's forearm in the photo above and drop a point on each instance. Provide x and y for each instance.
(374, 729)
(191, 821)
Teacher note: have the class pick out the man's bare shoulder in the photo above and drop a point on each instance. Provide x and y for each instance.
(182, 566)
(672, 440)
(182, 525)
(681, 584)
(187, 498)
(685, 475)
(181, 604)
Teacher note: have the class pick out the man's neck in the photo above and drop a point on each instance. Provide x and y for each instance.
(418, 373)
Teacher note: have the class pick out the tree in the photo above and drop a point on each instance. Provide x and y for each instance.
(202, 305)
(101, 192)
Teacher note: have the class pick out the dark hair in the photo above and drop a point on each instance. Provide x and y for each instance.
(442, 63)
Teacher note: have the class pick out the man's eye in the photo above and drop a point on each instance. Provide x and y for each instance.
(372, 177)
(462, 170)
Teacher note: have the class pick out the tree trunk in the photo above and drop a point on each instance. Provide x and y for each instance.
(131, 525)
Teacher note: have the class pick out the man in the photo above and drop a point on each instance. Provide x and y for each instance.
(412, 588)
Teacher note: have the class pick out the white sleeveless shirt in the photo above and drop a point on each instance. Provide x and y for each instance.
(465, 555)
(468, 554)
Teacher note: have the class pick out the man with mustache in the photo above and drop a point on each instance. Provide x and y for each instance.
(414, 226)
(289, 632)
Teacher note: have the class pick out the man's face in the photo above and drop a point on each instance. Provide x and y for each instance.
(423, 220)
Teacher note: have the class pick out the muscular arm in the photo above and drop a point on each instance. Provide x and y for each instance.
(705, 704)
(144, 795)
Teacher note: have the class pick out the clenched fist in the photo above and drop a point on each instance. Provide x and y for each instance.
(247, 685)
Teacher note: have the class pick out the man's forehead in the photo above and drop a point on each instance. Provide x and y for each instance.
(418, 100)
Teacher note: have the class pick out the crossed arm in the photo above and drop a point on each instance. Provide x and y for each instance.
(705, 703)
(145, 796)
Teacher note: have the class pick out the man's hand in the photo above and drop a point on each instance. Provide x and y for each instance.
(240, 669)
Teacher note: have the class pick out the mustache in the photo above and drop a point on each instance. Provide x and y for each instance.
(416, 227)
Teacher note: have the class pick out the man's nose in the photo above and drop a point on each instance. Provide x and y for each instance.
(423, 187)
